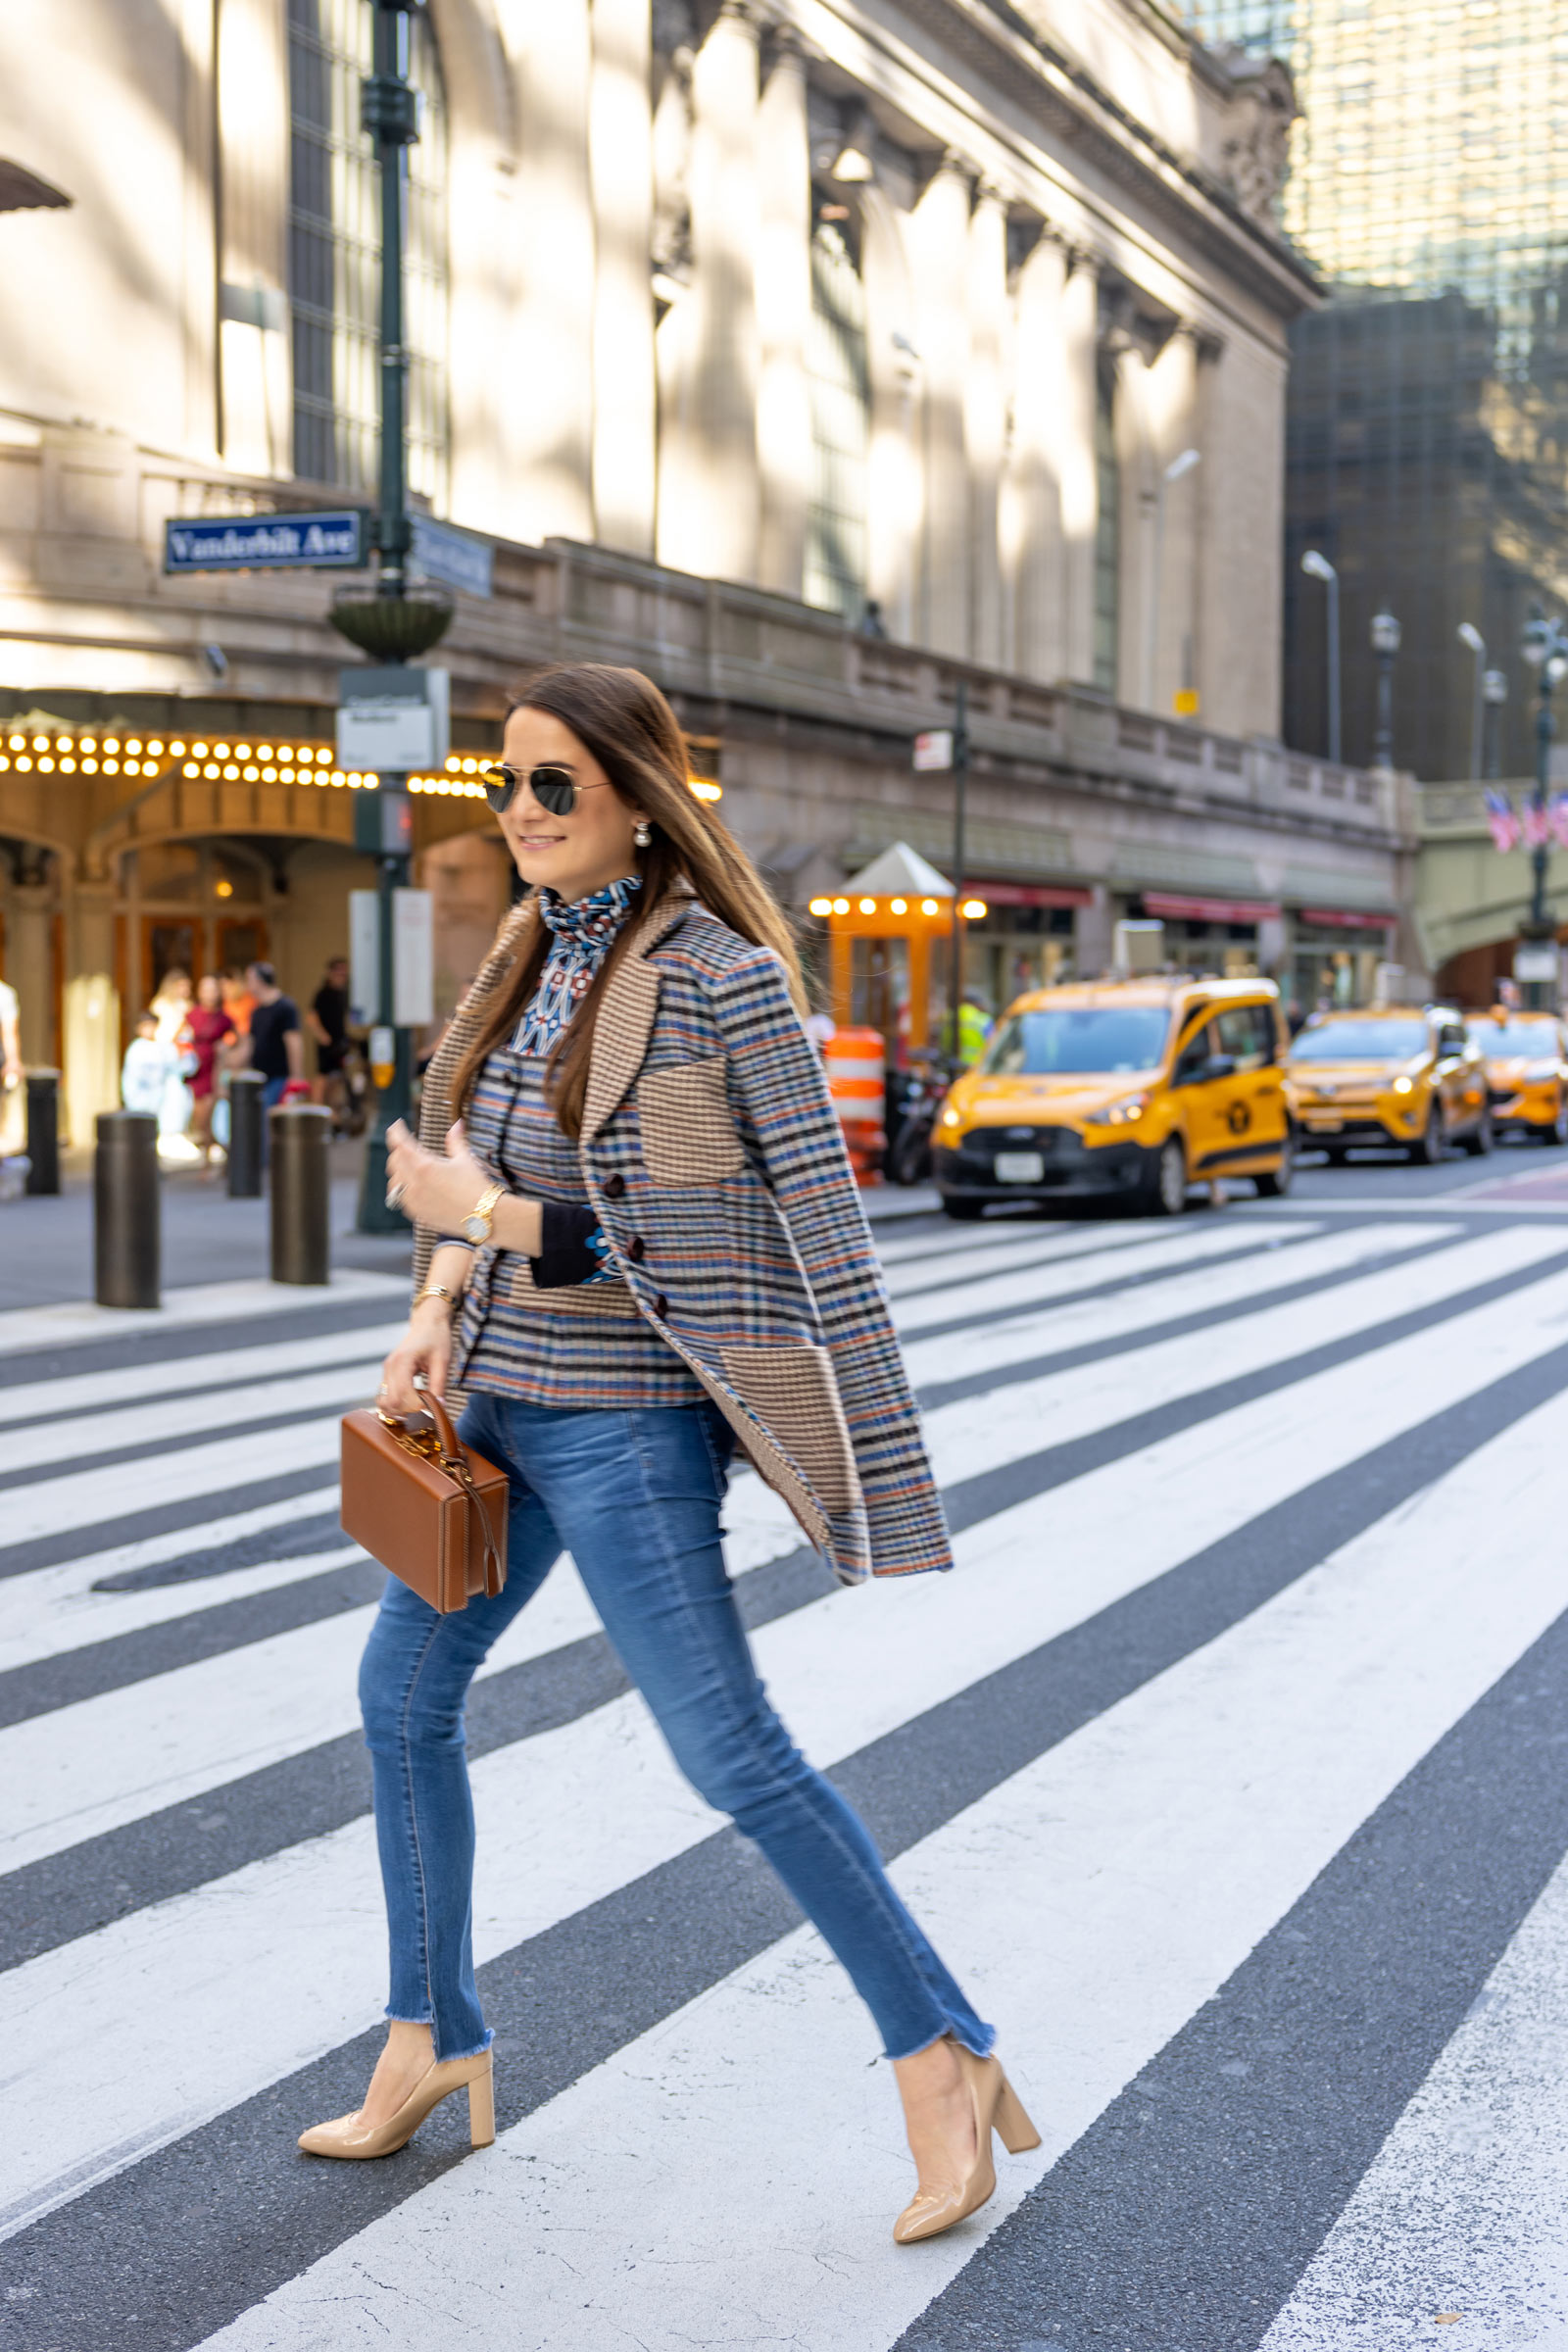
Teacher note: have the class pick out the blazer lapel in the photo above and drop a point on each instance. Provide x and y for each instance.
(625, 1020)
(467, 1022)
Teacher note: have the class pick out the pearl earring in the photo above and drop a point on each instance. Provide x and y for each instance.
(642, 833)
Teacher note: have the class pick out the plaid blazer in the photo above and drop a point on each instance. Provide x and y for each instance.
(710, 1139)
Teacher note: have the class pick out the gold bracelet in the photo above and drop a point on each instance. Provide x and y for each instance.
(436, 1289)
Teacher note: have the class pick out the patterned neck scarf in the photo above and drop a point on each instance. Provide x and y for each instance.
(582, 934)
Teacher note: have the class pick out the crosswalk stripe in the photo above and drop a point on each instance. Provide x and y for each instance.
(1008, 1294)
(845, 1671)
(193, 1728)
(990, 1348)
(79, 1323)
(102, 1498)
(1482, 2139)
(220, 1373)
(1161, 1843)
(103, 1434)
(1033, 1246)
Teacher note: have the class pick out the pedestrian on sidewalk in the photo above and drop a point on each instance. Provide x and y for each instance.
(329, 1022)
(209, 1027)
(632, 1202)
(151, 1065)
(274, 1045)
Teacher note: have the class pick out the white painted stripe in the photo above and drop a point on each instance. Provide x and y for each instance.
(1001, 1294)
(970, 1354)
(102, 1497)
(1465, 2208)
(78, 1322)
(345, 1384)
(1030, 1245)
(156, 2016)
(1092, 1904)
(92, 1766)
(191, 1375)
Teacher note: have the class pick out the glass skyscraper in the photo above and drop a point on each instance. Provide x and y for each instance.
(1428, 416)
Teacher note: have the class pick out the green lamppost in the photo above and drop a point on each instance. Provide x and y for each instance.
(391, 620)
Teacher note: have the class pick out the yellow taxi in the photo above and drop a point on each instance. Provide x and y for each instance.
(1390, 1074)
(1128, 1088)
(1526, 1057)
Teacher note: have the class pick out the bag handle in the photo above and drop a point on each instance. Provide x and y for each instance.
(454, 1462)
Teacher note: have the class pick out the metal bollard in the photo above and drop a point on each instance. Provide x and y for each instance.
(126, 1211)
(43, 1131)
(245, 1135)
(301, 1185)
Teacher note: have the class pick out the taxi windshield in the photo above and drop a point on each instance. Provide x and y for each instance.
(1508, 1041)
(1079, 1040)
(1360, 1041)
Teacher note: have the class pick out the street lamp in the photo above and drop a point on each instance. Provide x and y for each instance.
(1173, 472)
(1471, 636)
(1546, 648)
(1318, 568)
(1494, 690)
(1384, 644)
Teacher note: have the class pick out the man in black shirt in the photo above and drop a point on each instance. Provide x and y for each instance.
(276, 1048)
(328, 1023)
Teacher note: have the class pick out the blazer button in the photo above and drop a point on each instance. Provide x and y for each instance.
(636, 1248)
(613, 1188)
(662, 1307)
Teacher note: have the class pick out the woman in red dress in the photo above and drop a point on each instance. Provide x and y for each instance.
(208, 1027)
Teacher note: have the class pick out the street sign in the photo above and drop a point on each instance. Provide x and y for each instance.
(1536, 961)
(935, 749)
(267, 542)
(393, 721)
(413, 959)
(439, 552)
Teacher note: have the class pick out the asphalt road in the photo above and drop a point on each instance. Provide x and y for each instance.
(1227, 1770)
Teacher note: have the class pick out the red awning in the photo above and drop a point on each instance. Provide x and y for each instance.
(1334, 919)
(1210, 911)
(1030, 893)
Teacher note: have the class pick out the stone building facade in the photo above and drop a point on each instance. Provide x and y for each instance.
(811, 355)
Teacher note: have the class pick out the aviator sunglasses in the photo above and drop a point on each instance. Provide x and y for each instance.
(554, 788)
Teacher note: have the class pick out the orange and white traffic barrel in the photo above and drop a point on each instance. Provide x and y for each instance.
(857, 1080)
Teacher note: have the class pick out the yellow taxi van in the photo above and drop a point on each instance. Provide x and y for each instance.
(1130, 1089)
(1526, 1057)
(1399, 1074)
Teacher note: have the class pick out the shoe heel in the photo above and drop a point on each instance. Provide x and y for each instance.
(1017, 2131)
(482, 2110)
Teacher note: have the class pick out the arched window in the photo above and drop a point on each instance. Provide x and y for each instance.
(335, 252)
(840, 385)
(1107, 530)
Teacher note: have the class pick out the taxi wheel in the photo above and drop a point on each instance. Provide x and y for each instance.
(968, 1212)
(1433, 1145)
(1166, 1191)
(1558, 1132)
(1277, 1183)
(1479, 1142)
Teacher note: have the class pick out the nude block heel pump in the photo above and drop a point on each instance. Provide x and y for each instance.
(996, 2108)
(348, 2136)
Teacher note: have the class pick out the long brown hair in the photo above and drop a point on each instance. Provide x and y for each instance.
(621, 718)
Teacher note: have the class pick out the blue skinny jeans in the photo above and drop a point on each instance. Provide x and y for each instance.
(635, 1497)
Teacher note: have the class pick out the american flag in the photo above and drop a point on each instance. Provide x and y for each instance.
(1537, 825)
(1506, 831)
(1560, 816)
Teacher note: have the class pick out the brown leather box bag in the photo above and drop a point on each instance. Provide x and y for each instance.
(428, 1508)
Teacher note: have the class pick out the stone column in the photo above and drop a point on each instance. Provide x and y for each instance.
(91, 1041)
(257, 393)
(709, 495)
(1032, 543)
(1175, 428)
(550, 377)
(783, 317)
(29, 956)
(985, 419)
(1134, 454)
(895, 468)
(1077, 474)
(620, 157)
(940, 237)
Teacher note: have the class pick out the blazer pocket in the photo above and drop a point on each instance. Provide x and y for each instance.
(688, 1130)
(792, 1391)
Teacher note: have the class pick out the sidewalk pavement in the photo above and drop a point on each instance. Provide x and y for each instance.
(46, 1245)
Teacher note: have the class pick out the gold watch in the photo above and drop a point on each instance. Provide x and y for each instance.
(476, 1226)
